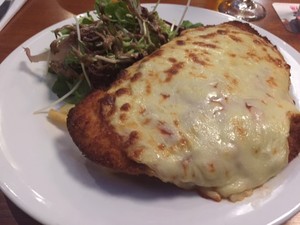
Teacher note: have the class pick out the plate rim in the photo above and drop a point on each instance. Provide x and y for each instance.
(37, 215)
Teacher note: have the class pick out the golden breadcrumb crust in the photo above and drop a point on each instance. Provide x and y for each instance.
(89, 126)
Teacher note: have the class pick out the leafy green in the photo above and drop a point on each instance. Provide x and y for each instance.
(63, 85)
(87, 20)
(186, 24)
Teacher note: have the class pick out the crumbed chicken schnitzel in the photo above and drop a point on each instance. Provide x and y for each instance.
(210, 110)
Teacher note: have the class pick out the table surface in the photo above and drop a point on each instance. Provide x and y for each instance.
(36, 15)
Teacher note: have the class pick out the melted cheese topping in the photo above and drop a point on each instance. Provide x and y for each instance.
(209, 109)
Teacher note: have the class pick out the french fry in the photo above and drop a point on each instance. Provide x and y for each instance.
(59, 117)
(66, 108)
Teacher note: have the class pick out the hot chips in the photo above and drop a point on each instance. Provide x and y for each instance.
(59, 117)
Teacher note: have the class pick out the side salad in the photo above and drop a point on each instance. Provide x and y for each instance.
(90, 53)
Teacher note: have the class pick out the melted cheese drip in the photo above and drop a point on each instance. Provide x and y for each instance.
(211, 109)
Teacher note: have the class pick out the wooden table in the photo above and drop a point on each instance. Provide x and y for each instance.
(38, 14)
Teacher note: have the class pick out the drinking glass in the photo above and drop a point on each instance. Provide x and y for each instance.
(248, 10)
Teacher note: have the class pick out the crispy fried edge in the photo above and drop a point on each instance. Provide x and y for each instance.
(97, 139)
(294, 136)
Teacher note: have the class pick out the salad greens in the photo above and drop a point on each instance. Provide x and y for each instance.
(91, 53)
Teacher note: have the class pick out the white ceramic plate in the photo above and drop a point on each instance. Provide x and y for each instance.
(42, 171)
